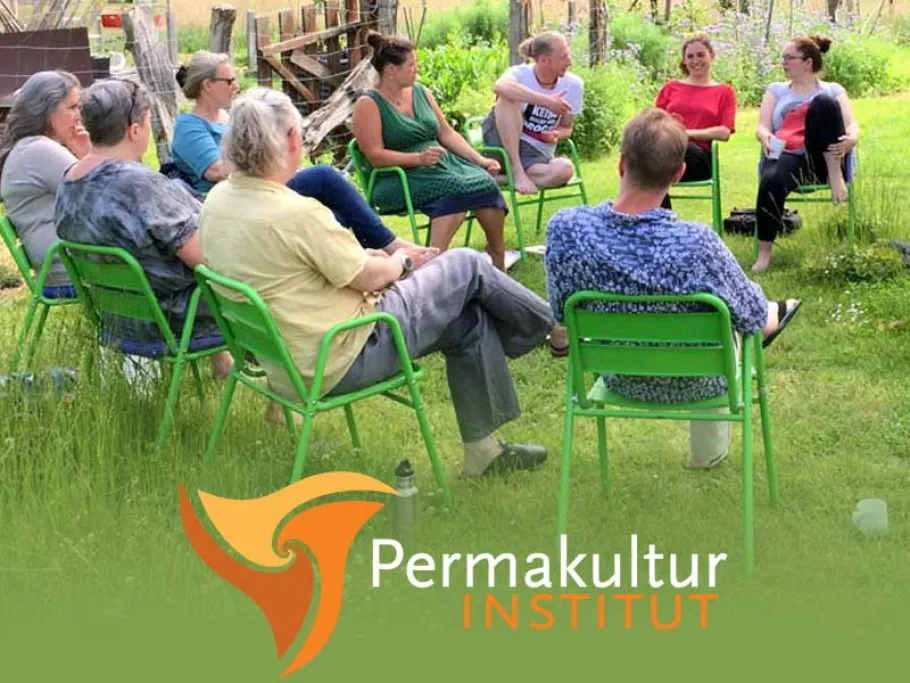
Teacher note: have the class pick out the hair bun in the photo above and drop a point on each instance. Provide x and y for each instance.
(375, 40)
(180, 76)
(824, 44)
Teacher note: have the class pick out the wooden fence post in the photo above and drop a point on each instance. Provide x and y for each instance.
(597, 32)
(388, 17)
(221, 29)
(263, 38)
(250, 40)
(519, 25)
(172, 38)
(156, 73)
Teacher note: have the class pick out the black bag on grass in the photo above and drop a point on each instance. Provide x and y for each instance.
(742, 222)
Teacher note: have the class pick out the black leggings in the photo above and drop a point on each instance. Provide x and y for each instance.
(824, 127)
(698, 167)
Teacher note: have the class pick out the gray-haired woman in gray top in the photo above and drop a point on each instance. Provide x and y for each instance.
(44, 137)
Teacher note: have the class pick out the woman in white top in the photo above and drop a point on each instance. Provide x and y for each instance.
(813, 121)
(44, 137)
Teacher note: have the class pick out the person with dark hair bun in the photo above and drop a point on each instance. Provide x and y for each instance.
(399, 123)
(807, 131)
(706, 108)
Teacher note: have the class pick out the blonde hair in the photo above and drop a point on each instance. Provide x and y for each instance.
(539, 45)
(203, 65)
(654, 147)
(255, 141)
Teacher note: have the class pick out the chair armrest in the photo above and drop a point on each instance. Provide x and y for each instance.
(501, 151)
(369, 319)
(573, 152)
(386, 170)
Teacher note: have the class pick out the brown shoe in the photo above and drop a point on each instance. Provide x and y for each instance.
(559, 341)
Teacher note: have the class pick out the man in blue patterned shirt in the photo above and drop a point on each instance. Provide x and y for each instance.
(632, 246)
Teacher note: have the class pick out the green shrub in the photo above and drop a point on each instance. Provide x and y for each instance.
(851, 263)
(461, 77)
(480, 22)
(8, 277)
(861, 65)
(649, 43)
(614, 92)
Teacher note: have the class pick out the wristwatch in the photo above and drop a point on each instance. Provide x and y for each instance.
(407, 265)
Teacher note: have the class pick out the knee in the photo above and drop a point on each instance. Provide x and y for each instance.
(824, 104)
(564, 170)
(313, 177)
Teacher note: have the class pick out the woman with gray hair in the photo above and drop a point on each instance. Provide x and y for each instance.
(110, 198)
(210, 80)
(44, 137)
(313, 275)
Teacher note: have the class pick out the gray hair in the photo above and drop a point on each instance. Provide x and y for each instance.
(110, 107)
(31, 112)
(255, 139)
(539, 45)
(203, 65)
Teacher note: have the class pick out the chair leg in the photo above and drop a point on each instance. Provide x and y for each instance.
(763, 402)
(716, 210)
(289, 420)
(602, 453)
(23, 335)
(352, 426)
(200, 387)
(748, 503)
(519, 228)
(168, 417)
(540, 201)
(300, 456)
(467, 232)
(562, 515)
(851, 214)
(430, 442)
(221, 418)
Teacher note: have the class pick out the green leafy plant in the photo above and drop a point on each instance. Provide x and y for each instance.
(851, 263)
(481, 22)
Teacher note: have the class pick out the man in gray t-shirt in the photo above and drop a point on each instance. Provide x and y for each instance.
(31, 175)
(535, 107)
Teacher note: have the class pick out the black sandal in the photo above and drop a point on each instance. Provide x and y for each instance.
(785, 314)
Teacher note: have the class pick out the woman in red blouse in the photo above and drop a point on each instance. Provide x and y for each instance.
(706, 108)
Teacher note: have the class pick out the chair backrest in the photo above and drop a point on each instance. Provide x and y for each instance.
(17, 251)
(473, 131)
(247, 324)
(606, 338)
(361, 167)
(110, 282)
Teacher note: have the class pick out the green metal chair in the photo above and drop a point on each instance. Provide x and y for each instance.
(249, 328)
(42, 297)
(807, 194)
(111, 284)
(573, 189)
(367, 180)
(699, 343)
(713, 182)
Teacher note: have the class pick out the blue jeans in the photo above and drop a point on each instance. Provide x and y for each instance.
(329, 187)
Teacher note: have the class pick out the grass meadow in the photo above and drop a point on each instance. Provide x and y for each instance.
(88, 507)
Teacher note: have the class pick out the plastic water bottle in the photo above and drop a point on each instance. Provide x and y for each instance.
(406, 502)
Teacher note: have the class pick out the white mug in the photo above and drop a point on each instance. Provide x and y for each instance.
(871, 516)
(775, 147)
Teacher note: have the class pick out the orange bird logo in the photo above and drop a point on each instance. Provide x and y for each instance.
(278, 573)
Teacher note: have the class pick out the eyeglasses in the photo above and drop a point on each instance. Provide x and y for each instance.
(229, 81)
(789, 58)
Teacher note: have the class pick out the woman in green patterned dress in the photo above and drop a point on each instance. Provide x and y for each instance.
(400, 124)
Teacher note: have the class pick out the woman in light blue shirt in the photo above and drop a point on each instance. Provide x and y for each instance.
(811, 121)
(211, 82)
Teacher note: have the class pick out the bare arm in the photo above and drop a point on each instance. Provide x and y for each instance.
(509, 89)
(191, 252)
(721, 133)
(565, 127)
(218, 171)
(763, 131)
(379, 271)
(367, 125)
